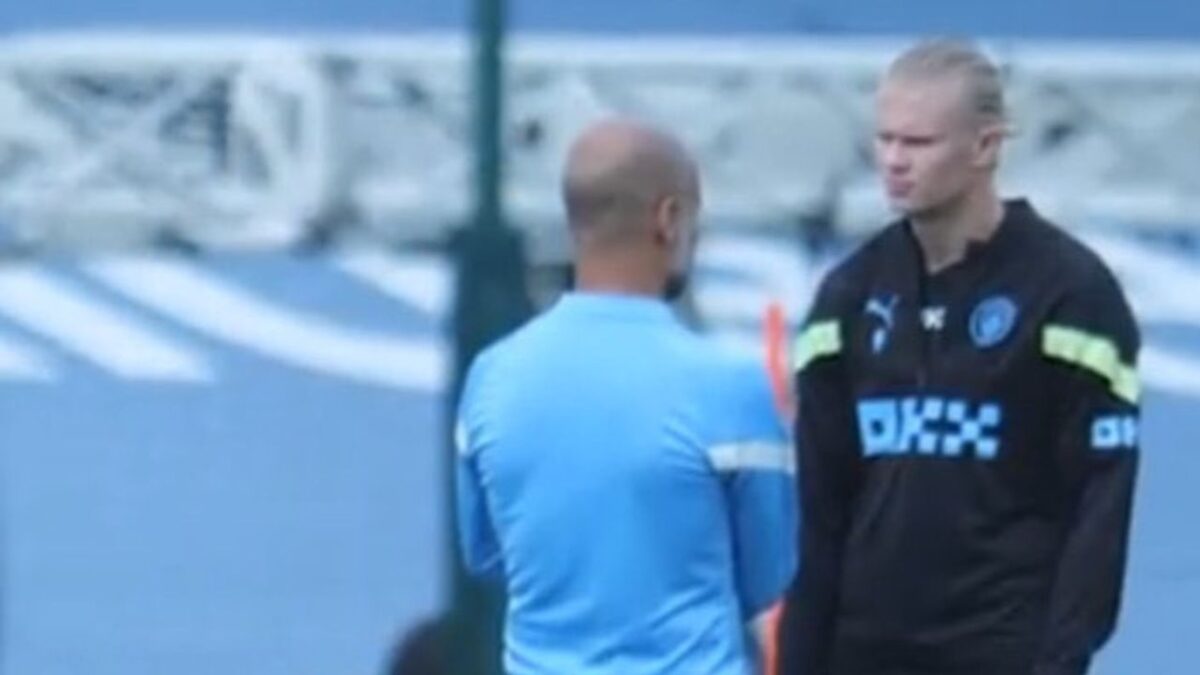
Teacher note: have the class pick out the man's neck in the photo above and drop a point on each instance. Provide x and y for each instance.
(616, 276)
(945, 236)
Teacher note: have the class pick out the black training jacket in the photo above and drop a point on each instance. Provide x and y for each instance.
(967, 446)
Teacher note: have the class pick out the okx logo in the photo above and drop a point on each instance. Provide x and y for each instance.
(1115, 432)
(929, 425)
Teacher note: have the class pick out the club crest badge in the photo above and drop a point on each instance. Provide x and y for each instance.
(992, 321)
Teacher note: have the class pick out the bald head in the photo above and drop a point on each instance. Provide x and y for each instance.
(618, 172)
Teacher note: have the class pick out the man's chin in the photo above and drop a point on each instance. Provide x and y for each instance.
(907, 208)
(900, 205)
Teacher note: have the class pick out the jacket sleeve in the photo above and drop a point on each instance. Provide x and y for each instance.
(1091, 344)
(826, 445)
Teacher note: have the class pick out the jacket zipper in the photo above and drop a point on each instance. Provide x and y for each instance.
(925, 357)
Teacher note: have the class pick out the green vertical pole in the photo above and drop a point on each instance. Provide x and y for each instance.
(490, 19)
(491, 300)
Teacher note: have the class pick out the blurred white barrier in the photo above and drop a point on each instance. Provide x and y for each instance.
(242, 141)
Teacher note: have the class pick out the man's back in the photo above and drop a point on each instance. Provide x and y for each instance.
(604, 443)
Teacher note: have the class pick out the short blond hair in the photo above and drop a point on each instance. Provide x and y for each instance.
(941, 58)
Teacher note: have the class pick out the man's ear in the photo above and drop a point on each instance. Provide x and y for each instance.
(989, 144)
(667, 222)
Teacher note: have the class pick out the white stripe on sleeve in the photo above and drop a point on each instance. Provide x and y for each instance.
(754, 456)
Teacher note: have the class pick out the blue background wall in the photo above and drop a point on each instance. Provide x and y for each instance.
(1175, 19)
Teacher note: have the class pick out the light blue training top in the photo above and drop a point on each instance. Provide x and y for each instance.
(631, 483)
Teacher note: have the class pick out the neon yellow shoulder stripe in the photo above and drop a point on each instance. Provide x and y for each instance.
(1095, 353)
(818, 340)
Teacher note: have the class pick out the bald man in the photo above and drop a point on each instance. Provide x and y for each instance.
(625, 479)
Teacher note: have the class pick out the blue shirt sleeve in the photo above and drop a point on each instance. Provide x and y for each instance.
(477, 540)
(756, 460)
